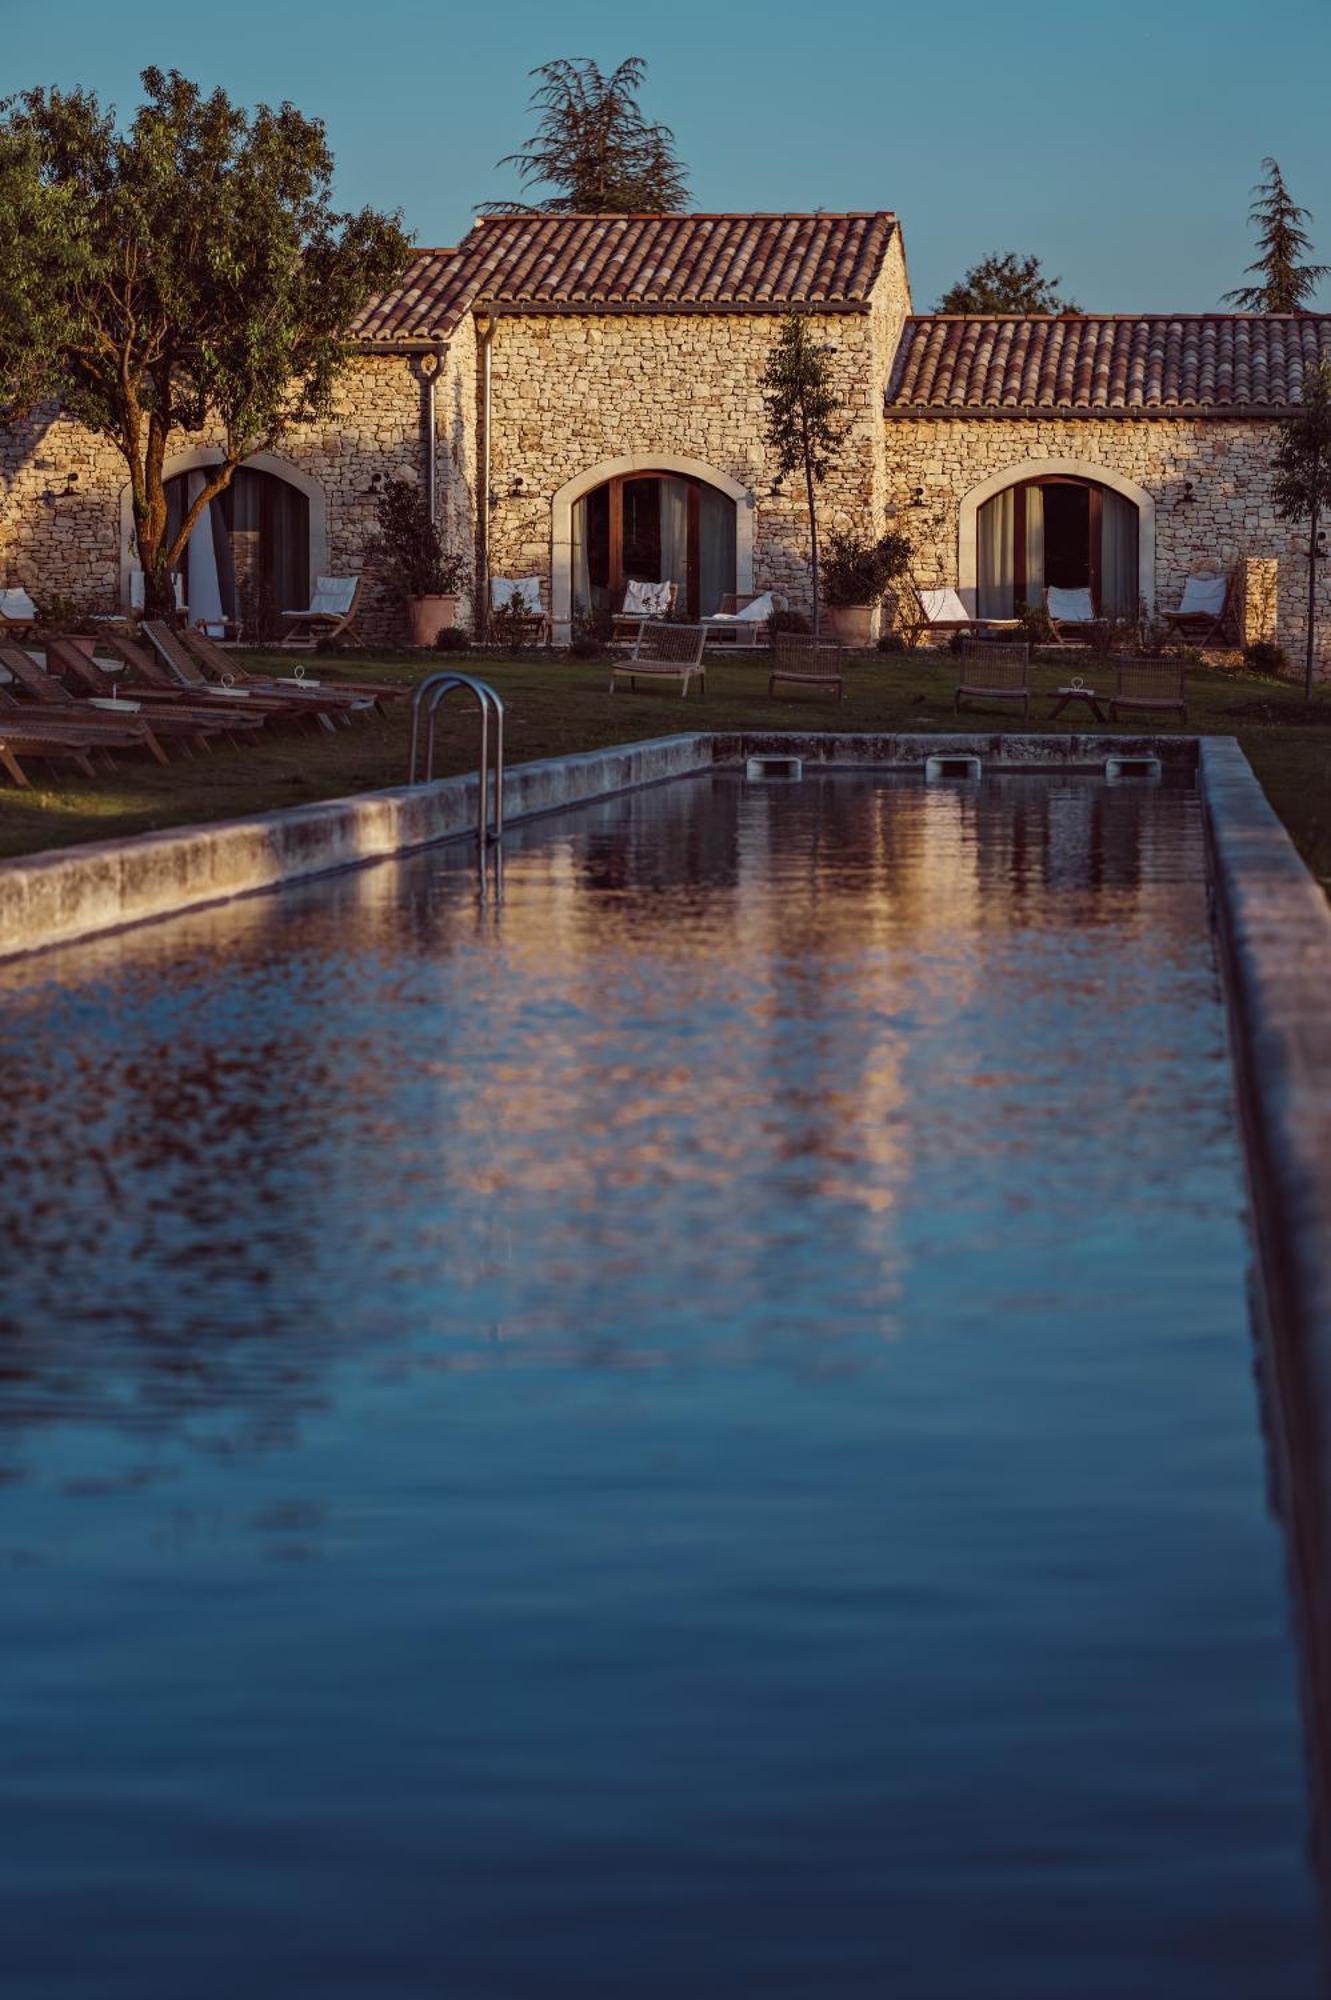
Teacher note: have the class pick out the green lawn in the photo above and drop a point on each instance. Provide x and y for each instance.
(555, 706)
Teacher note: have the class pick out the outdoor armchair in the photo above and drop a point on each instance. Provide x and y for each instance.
(1154, 685)
(744, 621)
(329, 614)
(1071, 614)
(1206, 608)
(994, 670)
(642, 601)
(799, 661)
(534, 620)
(665, 652)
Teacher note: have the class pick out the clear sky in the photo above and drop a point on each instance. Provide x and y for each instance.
(1118, 142)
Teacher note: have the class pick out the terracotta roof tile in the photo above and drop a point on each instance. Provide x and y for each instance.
(1124, 364)
(741, 263)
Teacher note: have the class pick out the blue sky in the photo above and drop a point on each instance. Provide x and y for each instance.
(1117, 143)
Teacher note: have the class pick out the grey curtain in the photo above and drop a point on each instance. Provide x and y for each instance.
(1119, 588)
(994, 528)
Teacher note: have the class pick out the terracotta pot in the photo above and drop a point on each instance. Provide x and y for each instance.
(429, 617)
(853, 623)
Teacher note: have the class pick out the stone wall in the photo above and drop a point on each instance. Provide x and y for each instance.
(1208, 477)
(570, 393)
(63, 542)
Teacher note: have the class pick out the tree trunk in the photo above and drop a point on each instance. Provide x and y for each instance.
(1312, 606)
(813, 539)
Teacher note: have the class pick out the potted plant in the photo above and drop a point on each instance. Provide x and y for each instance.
(408, 553)
(856, 572)
(69, 618)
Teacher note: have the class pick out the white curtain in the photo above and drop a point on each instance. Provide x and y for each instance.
(675, 534)
(1118, 556)
(716, 549)
(582, 581)
(994, 528)
(205, 587)
(1034, 545)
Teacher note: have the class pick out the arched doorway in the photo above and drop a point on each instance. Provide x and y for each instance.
(248, 558)
(653, 526)
(1063, 529)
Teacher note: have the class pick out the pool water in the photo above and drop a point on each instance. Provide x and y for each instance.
(693, 1431)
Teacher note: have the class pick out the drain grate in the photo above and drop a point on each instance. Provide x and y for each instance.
(938, 768)
(774, 767)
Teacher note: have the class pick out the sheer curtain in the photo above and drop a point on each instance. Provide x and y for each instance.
(994, 530)
(205, 586)
(675, 535)
(1034, 545)
(582, 580)
(716, 549)
(1118, 556)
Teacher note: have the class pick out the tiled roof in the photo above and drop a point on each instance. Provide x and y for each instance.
(730, 263)
(1126, 364)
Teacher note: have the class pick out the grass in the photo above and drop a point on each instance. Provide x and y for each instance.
(555, 706)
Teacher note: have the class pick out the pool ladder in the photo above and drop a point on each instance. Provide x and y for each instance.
(436, 686)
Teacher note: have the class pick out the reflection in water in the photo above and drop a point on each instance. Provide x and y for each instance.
(689, 1430)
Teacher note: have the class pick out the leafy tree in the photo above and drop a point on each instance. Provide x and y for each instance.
(1301, 481)
(1006, 284)
(186, 275)
(595, 146)
(1284, 284)
(802, 411)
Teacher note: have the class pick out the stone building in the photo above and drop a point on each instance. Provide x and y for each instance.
(581, 397)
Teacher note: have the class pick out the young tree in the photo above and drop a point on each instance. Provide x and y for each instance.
(594, 145)
(1301, 482)
(186, 275)
(1006, 284)
(802, 411)
(1284, 284)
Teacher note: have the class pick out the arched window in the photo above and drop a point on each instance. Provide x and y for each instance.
(1074, 533)
(249, 555)
(653, 527)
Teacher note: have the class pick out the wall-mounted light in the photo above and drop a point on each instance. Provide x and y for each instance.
(378, 481)
(1187, 496)
(917, 496)
(65, 492)
(1322, 549)
(518, 487)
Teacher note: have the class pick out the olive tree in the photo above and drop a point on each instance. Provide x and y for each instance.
(187, 275)
(1301, 484)
(802, 418)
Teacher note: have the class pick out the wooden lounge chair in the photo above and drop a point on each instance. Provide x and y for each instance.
(939, 612)
(800, 662)
(1156, 685)
(744, 623)
(22, 742)
(534, 620)
(994, 670)
(1207, 607)
(122, 727)
(157, 683)
(170, 710)
(662, 653)
(1071, 615)
(642, 601)
(327, 706)
(219, 662)
(329, 615)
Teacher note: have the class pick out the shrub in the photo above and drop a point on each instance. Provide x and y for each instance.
(856, 571)
(407, 551)
(592, 633)
(453, 639)
(507, 629)
(788, 621)
(1033, 625)
(1265, 657)
(65, 614)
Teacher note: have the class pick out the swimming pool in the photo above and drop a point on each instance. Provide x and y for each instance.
(690, 1430)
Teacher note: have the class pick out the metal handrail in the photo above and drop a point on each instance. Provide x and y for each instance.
(488, 702)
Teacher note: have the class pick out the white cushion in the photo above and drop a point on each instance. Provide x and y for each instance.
(761, 607)
(16, 604)
(527, 588)
(1205, 595)
(944, 607)
(332, 596)
(1074, 606)
(653, 600)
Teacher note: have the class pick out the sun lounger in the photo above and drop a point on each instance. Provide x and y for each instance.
(994, 670)
(325, 705)
(220, 662)
(170, 710)
(329, 615)
(22, 742)
(744, 623)
(665, 652)
(18, 613)
(800, 662)
(122, 726)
